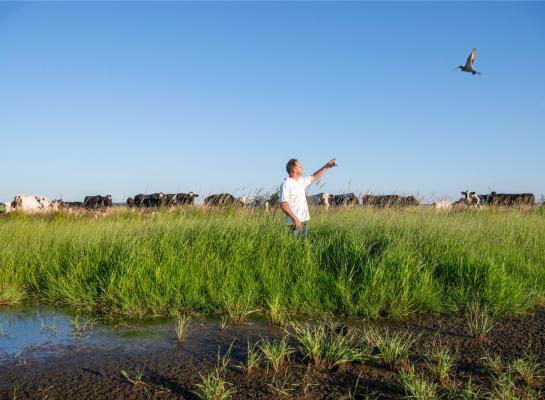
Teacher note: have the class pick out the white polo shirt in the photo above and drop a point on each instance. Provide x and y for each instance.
(292, 191)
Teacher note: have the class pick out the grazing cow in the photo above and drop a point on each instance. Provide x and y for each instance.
(345, 200)
(97, 201)
(222, 200)
(169, 200)
(147, 200)
(508, 200)
(254, 201)
(71, 204)
(186, 198)
(320, 199)
(389, 200)
(33, 204)
(443, 205)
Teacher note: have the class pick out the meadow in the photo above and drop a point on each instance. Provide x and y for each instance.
(357, 262)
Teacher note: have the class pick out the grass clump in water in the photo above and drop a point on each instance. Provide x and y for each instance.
(81, 325)
(182, 326)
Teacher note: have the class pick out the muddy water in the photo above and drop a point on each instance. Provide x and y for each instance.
(38, 331)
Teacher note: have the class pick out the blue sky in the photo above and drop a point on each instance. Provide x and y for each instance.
(126, 98)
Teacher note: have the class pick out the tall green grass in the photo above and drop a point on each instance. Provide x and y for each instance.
(356, 262)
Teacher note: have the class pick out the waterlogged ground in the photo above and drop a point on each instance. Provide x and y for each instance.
(43, 355)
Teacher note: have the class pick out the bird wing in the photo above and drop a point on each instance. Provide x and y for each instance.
(471, 58)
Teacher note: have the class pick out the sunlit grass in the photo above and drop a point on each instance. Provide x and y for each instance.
(357, 262)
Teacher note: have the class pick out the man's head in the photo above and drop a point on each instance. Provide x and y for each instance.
(294, 168)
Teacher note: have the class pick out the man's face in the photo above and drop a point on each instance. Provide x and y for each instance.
(298, 170)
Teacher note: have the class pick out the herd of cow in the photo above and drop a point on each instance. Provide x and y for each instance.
(38, 204)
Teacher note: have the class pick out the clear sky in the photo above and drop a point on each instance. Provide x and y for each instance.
(124, 98)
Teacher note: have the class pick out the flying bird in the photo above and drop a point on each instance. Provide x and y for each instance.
(469, 63)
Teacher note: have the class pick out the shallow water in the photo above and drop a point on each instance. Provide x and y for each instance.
(39, 331)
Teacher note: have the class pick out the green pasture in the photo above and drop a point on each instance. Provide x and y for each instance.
(357, 262)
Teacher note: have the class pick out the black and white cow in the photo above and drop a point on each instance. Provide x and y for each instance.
(345, 200)
(509, 200)
(222, 200)
(389, 200)
(320, 199)
(97, 201)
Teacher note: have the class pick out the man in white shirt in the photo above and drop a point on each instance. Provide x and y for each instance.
(292, 196)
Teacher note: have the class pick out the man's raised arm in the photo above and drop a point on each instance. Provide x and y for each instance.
(318, 174)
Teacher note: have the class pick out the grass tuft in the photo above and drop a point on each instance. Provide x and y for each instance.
(277, 313)
(214, 386)
(416, 386)
(479, 320)
(440, 361)
(392, 348)
(240, 311)
(276, 352)
(10, 294)
(182, 326)
(528, 369)
(328, 345)
(253, 358)
(81, 325)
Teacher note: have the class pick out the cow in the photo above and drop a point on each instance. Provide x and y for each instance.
(147, 200)
(186, 198)
(222, 200)
(33, 204)
(344, 200)
(443, 205)
(508, 200)
(471, 199)
(8, 207)
(247, 200)
(254, 201)
(71, 204)
(98, 201)
(389, 200)
(320, 199)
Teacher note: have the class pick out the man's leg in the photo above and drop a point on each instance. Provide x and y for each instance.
(301, 233)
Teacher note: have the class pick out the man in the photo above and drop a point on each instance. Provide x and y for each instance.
(292, 196)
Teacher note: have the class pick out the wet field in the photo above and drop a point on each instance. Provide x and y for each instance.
(45, 353)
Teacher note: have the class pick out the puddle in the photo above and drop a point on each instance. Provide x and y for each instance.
(38, 331)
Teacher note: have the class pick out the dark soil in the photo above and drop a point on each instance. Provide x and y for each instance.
(172, 370)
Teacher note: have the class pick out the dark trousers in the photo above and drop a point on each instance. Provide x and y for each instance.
(301, 233)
